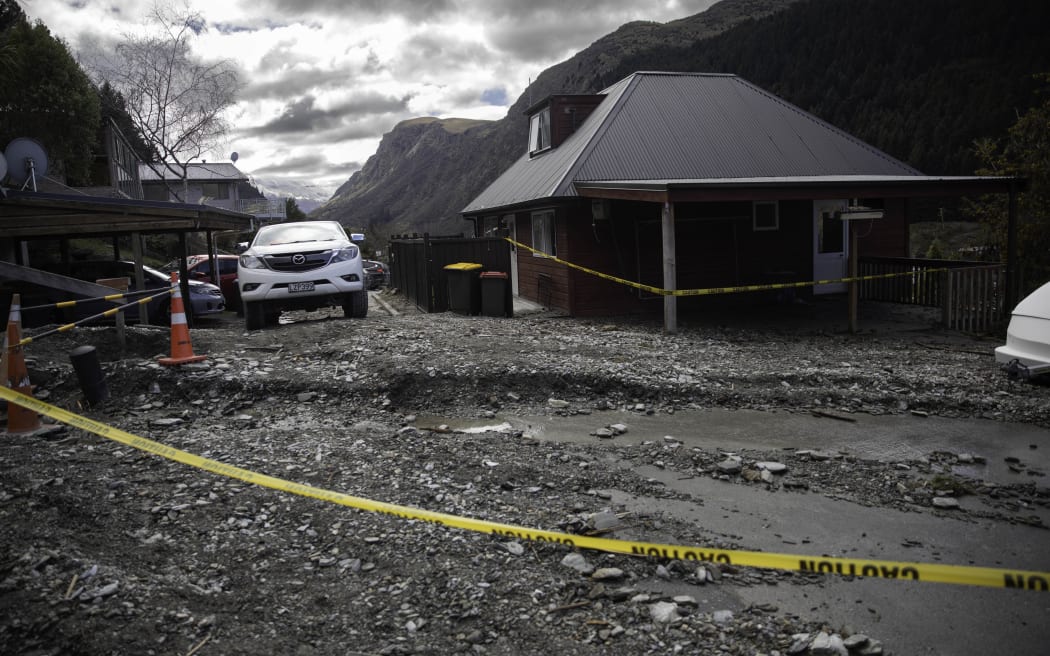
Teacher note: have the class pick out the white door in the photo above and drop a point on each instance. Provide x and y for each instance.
(508, 223)
(830, 245)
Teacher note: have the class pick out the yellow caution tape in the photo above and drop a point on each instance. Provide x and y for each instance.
(886, 569)
(67, 304)
(719, 290)
(108, 313)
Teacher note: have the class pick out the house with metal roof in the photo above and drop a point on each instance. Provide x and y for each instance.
(689, 181)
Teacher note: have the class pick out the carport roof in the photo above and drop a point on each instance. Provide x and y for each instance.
(28, 215)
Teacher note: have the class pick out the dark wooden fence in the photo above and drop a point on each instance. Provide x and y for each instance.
(417, 264)
(970, 294)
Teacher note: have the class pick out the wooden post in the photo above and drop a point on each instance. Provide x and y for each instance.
(120, 284)
(854, 286)
(946, 298)
(136, 251)
(670, 269)
(1011, 250)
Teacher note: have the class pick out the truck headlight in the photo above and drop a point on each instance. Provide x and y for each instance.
(343, 254)
(251, 262)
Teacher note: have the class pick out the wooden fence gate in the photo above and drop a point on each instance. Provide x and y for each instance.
(971, 295)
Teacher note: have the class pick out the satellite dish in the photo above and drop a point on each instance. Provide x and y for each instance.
(234, 156)
(26, 159)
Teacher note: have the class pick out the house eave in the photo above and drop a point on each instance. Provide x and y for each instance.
(849, 186)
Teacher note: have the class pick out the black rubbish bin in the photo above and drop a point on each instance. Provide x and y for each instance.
(494, 296)
(464, 287)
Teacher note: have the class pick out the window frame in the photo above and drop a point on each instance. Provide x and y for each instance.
(221, 189)
(543, 233)
(760, 225)
(540, 131)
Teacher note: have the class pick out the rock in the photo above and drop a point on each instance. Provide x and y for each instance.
(304, 397)
(730, 466)
(663, 612)
(514, 548)
(618, 429)
(604, 433)
(855, 641)
(772, 467)
(607, 574)
(579, 563)
(166, 421)
(828, 645)
(603, 521)
(800, 643)
(685, 600)
(945, 502)
(557, 404)
(722, 616)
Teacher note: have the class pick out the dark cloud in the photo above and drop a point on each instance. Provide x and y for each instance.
(293, 83)
(437, 53)
(548, 35)
(303, 117)
(301, 164)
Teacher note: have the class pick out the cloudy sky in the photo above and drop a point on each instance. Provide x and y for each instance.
(325, 79)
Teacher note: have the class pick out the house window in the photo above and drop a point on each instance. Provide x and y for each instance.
(218, 191)
(831, 237)
(490, 226)
(764, 215)
(543, 232)
(540, 131)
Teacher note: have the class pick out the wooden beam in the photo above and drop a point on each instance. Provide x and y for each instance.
(670, 269)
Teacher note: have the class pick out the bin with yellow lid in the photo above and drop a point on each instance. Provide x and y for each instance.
(464, 287)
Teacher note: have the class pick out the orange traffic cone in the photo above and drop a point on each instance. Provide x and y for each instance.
(181, 349)
(16, 376)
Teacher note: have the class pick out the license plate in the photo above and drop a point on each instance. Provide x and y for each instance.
(300, 287)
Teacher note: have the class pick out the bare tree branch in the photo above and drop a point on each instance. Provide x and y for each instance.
(176, 100)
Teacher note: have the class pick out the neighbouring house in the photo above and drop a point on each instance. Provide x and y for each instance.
(216, 184)
(693, 181)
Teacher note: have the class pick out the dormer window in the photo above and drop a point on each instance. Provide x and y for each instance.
(540, 131)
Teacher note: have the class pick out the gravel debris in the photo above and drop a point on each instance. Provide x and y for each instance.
(111, 550)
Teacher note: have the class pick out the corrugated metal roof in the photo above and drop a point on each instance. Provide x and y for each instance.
(689, 126)
(197, 172)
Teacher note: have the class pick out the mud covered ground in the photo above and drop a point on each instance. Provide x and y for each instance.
(109, 550)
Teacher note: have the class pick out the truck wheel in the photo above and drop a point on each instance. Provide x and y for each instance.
(254, 315)
(355, 305)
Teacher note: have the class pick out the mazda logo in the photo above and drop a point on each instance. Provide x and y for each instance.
(298, 258)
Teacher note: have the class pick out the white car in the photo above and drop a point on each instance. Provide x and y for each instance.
(302, 265)
(1027, 350)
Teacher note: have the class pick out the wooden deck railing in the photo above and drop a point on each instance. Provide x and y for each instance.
(970, 294)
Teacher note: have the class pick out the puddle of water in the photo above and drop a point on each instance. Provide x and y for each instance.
(885, 438)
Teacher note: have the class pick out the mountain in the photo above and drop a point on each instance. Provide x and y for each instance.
(307, 197)
(920, 81)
